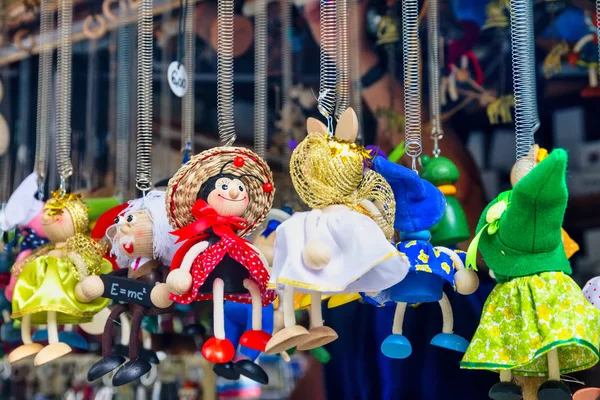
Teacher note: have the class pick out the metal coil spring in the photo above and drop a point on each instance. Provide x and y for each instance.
(225, 109)
(44, 93)
(433, 38)
(260, 78)
(328, 73)
(286, 73)
(63, 96)
(355, 75)
(343, 72)
(521, 31)
(143, 176)
(187, 111)
(123, 126)
(412, 79)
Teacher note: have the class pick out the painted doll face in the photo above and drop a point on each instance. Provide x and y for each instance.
(134, 235)
(58, 228)
(229, 197)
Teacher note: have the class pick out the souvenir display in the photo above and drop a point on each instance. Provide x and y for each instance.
(217, 198)
(352, 211)
(143, 247)
(47, 290)
(536, 321)
(419, 206)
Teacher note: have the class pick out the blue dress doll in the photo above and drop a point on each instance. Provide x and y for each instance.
(420, 205)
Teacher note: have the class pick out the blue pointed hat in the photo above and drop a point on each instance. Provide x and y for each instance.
(419, 204)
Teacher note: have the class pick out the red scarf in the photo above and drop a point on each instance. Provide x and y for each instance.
(206, 217)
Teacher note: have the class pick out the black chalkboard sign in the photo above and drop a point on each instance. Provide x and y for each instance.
(127, 290)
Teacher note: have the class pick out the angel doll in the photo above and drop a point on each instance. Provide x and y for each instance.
(536, 321)
(420, 206)
(143, 247)
(342, 245)
(214, 200)
(47, 288)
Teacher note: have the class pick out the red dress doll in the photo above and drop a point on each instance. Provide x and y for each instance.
(214, 200)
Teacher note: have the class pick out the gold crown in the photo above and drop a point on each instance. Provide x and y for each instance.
(387, 31)
(73, 204)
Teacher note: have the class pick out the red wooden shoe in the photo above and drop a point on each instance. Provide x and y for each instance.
(255, 340)
(218, 351)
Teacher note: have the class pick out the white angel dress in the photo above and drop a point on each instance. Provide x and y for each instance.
(362, 259)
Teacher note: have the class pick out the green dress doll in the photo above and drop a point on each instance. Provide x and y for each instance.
(536, 321)
(47, 290)
(453, 228)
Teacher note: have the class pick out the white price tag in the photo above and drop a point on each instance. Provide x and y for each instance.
(178, 79)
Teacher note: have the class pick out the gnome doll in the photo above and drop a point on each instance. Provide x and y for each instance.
(217, 198)
(143, 247)
(536, 321)
(419, 206)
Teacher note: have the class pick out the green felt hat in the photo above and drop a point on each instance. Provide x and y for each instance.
(527, 238)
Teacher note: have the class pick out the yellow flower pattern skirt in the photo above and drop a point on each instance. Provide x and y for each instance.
(48, 284)
(526, 317)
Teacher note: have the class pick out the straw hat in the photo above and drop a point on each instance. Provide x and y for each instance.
(184, 186)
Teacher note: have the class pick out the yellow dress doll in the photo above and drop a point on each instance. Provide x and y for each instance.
(46, 292)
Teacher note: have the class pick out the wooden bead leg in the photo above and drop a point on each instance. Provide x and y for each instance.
(55, 349)
(256, 304)
(553, 365)
(447, 316)
(28, 348)
(291, 335)
(398, 318)
(218, 310)
(505, 375)
(319, 335)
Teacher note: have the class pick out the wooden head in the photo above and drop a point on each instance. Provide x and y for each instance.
(134, 234)
(58, 228)
(228, 196)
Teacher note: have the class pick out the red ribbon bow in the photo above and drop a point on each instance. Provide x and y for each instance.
(207, 217)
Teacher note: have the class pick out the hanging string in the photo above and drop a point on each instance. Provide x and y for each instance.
(260, 78)
(183, 9)
(356, 87)
(143, 178)
(433, 36)
(123, 128)
(328, 73)
(189, 61)
(44, 94)
(342, 96)
(225, 108)
(63, 106)
(286, 74)
(412, 79)
(91, 116)
(521, 31)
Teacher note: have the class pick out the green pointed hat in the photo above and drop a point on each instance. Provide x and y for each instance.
(523, 235)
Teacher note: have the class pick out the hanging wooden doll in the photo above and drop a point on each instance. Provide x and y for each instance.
(342, 245)
(143, 247)
(536, 321)
(585, 54)
(419, 206)
(453, 228)
(47, 289)
(217, 198)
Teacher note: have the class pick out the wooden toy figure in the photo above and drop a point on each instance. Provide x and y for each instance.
(536, 321)
(419, 206)
(48, 286)
(585, 54)
(217, 198)
(453, 228)
(342, 244)
(143, 247)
